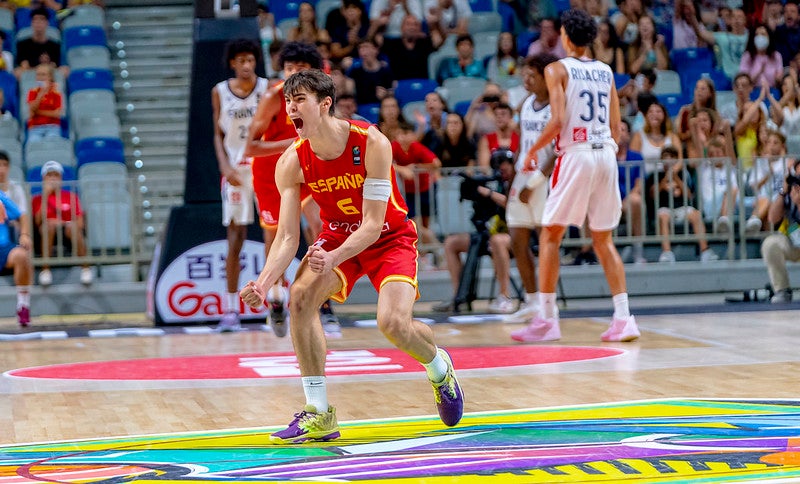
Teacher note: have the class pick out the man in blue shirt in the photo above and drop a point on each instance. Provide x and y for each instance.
(16, 258)
(630, 191)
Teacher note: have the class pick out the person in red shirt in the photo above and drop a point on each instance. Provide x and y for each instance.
(46, 105)
(63, 214)
(347, 166)
(504, 137)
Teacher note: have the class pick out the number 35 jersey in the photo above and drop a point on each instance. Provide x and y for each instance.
(338, 185)
(587, 94)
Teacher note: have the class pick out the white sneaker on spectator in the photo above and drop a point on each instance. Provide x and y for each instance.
(723, 225)
(708, 255)
(502, 305)
(667, 256)
(86, 276)
(753, 225)
(45, 277)
(640, 260)
(526, 312)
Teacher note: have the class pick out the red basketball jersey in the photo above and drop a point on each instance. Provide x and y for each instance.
(337, 185)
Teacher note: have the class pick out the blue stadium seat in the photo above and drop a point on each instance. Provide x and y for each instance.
(369, 112)
(409, 90)
(672, 102)
(462, 108)
(482, 5)
(693, 58)
(84, 15)
(621, 79)
(34, 177)
(90, 79)
(86, 35)
(92, 150)
(690, 77)
(9, 84)
(283, 9)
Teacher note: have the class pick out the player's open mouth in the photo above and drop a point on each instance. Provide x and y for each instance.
(298, 123)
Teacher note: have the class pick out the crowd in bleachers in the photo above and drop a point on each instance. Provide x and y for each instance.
(713, 84)
(59, 117)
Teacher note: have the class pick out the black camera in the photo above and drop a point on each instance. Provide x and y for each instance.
(483, 208)
(792, 180)
(491, 99)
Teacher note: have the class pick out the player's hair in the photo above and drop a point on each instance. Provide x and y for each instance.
(241, 46)
(300, 52)
(313, 81)
(539, 61)
(580, 27)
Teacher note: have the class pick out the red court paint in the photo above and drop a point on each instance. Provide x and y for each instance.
(283, 365)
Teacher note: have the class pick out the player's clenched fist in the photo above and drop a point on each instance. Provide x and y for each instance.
(253, 295)
(320, 260)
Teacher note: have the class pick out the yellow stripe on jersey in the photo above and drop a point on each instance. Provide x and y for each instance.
(397, 205)
(358, 129)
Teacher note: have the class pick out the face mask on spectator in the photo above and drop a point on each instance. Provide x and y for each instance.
(761, 42)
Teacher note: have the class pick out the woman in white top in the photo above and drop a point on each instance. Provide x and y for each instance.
(656, 135)
(785, 113)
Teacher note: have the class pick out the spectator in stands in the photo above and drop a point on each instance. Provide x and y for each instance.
(306, 29)
(17, 194)
(705, 96)
(389, 117)
(549, 41)
(767, 176)
(685, 25)
(464, 64)
(752, 119)
(270, 35)
(504, 136)
(457, 148)
(499, 245)
(373, 77)
(344, 85)
(742, 88)
(773, 14)
(46, 106)
(448, 16)
(38, 49)
(786, 112)
(480, 115)
(784, 211)
(787, 36)
(656, 135)
(503, 65)
(412, 49)
(761, 59)
(674, 197)
(717, 183)
(606, 47)
(630, 191)
(730, 45)
(416, 165)
(636, 96)
(431, 123)
(703, 127)
(346, 32)
(6, 57)
(16, 258)
(648, 50)
(62, 216)
(387, 15)
(626, 20)
(346, 106)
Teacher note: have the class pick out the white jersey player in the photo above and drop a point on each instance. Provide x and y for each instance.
(234, 102)
(584, 184)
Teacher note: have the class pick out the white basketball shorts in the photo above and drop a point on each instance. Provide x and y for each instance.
(238, 203)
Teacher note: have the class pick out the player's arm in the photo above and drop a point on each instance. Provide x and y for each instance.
(614, 116)
(267, 109)
(378, 183)
(288, 178)
(223, 163)
(556, 77)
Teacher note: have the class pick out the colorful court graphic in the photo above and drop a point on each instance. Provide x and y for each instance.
(674, 440)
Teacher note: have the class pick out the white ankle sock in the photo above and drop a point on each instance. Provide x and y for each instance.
(547, 305)
(437, 368)
(232, 302)
(621, 309)
(316, 392)
(23, 296)
(532, 298)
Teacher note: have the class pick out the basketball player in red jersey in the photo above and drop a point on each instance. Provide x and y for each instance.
(347, 165)
(270, 133)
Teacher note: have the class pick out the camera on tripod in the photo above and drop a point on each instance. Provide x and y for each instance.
(483, 207)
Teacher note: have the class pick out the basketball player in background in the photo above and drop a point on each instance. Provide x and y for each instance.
(529, 190)
(271, 132)
(347, 166)
(585, 121)
(234, 103)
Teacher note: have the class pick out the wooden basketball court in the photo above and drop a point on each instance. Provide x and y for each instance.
(688, 378)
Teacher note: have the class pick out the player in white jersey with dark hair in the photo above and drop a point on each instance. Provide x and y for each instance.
(234, 102)
(585, 121)
(528, 190)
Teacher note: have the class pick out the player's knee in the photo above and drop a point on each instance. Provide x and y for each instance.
(392, 324)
